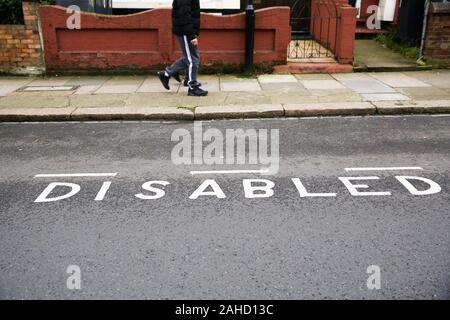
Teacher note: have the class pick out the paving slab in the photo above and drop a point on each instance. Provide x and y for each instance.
(209, 83)
(120, 88)
(98, 100)
(431, 93)
(314, 76)
(87, 80)
(212, 99)
(367, 86)
(384, 97)
(401, 107)
(42, 94)
(11, 84)
(277, 78)
(322, 84)
(7, 89)
(50, 81)
(33, 101)
(87, 89)
(239, 111)
(121, 84)
(87, 84)
(152, 84)
(339, 95)
(351, 76)
(398, 80)
(291, 98)
(283, 88)
(239, 85)
(328, 109)
(437, 78)
(161, 99)
(256, 97)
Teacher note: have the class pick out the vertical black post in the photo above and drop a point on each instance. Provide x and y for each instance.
(249, 36)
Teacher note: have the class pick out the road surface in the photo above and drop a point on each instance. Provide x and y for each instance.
(199, 231)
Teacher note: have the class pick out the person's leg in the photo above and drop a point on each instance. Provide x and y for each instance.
(174, 68)
(193, 60)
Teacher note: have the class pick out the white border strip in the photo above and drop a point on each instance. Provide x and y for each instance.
(50, 175)
(229, 171)
(383, 168)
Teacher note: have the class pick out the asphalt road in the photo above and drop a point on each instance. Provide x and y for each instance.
(280, 247)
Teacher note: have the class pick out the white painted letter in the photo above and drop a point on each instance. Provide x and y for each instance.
(75, 188)
(216, 191)
(374, 280)
(181, 152)
(249, 189)
(74, 280)
(434, 187)
(373, 21)
(353, 188)
(304, 193)
(102, 192)
(159, 193)
(74, 21)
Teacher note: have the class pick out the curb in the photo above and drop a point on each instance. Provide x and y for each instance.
(364, 68)
(226, 111)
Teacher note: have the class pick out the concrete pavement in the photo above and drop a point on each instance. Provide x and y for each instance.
(140, 97)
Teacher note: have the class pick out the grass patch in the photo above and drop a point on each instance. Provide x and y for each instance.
(407, 49)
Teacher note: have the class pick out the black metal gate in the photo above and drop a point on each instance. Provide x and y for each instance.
(314, 24)
(300, 13)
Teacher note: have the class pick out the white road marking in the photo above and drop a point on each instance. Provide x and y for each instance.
(52, 175)
(383, 168)
(229, 171)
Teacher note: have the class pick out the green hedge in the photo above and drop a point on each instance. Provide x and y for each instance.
(11, 11)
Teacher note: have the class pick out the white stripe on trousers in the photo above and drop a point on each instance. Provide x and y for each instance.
(186, 44)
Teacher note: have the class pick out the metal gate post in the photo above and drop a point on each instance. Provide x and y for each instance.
(249, 36)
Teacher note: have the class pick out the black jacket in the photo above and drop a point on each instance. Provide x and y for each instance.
(186, 18)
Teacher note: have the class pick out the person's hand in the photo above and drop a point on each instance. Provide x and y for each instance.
(194, 42)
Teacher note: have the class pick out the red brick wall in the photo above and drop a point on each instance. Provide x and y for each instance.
(437, 43)
(20, 45)
(145, 39)
(333, 24)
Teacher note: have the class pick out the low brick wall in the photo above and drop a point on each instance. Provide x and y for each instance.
(437, 41)
(20, 45)
(145, 40)
(333, 24)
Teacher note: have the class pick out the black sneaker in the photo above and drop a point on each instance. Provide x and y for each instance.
(164, 79)
(197, 92)
(176, 76)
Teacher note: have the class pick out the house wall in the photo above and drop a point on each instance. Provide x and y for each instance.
(437, 43)
(20, 45)
(145, 40)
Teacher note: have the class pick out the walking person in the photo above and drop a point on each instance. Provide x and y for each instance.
(186, 27)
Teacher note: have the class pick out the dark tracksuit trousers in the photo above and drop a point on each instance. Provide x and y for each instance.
(188, 62)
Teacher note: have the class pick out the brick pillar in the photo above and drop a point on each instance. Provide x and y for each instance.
(32, 29)
(346, 34)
